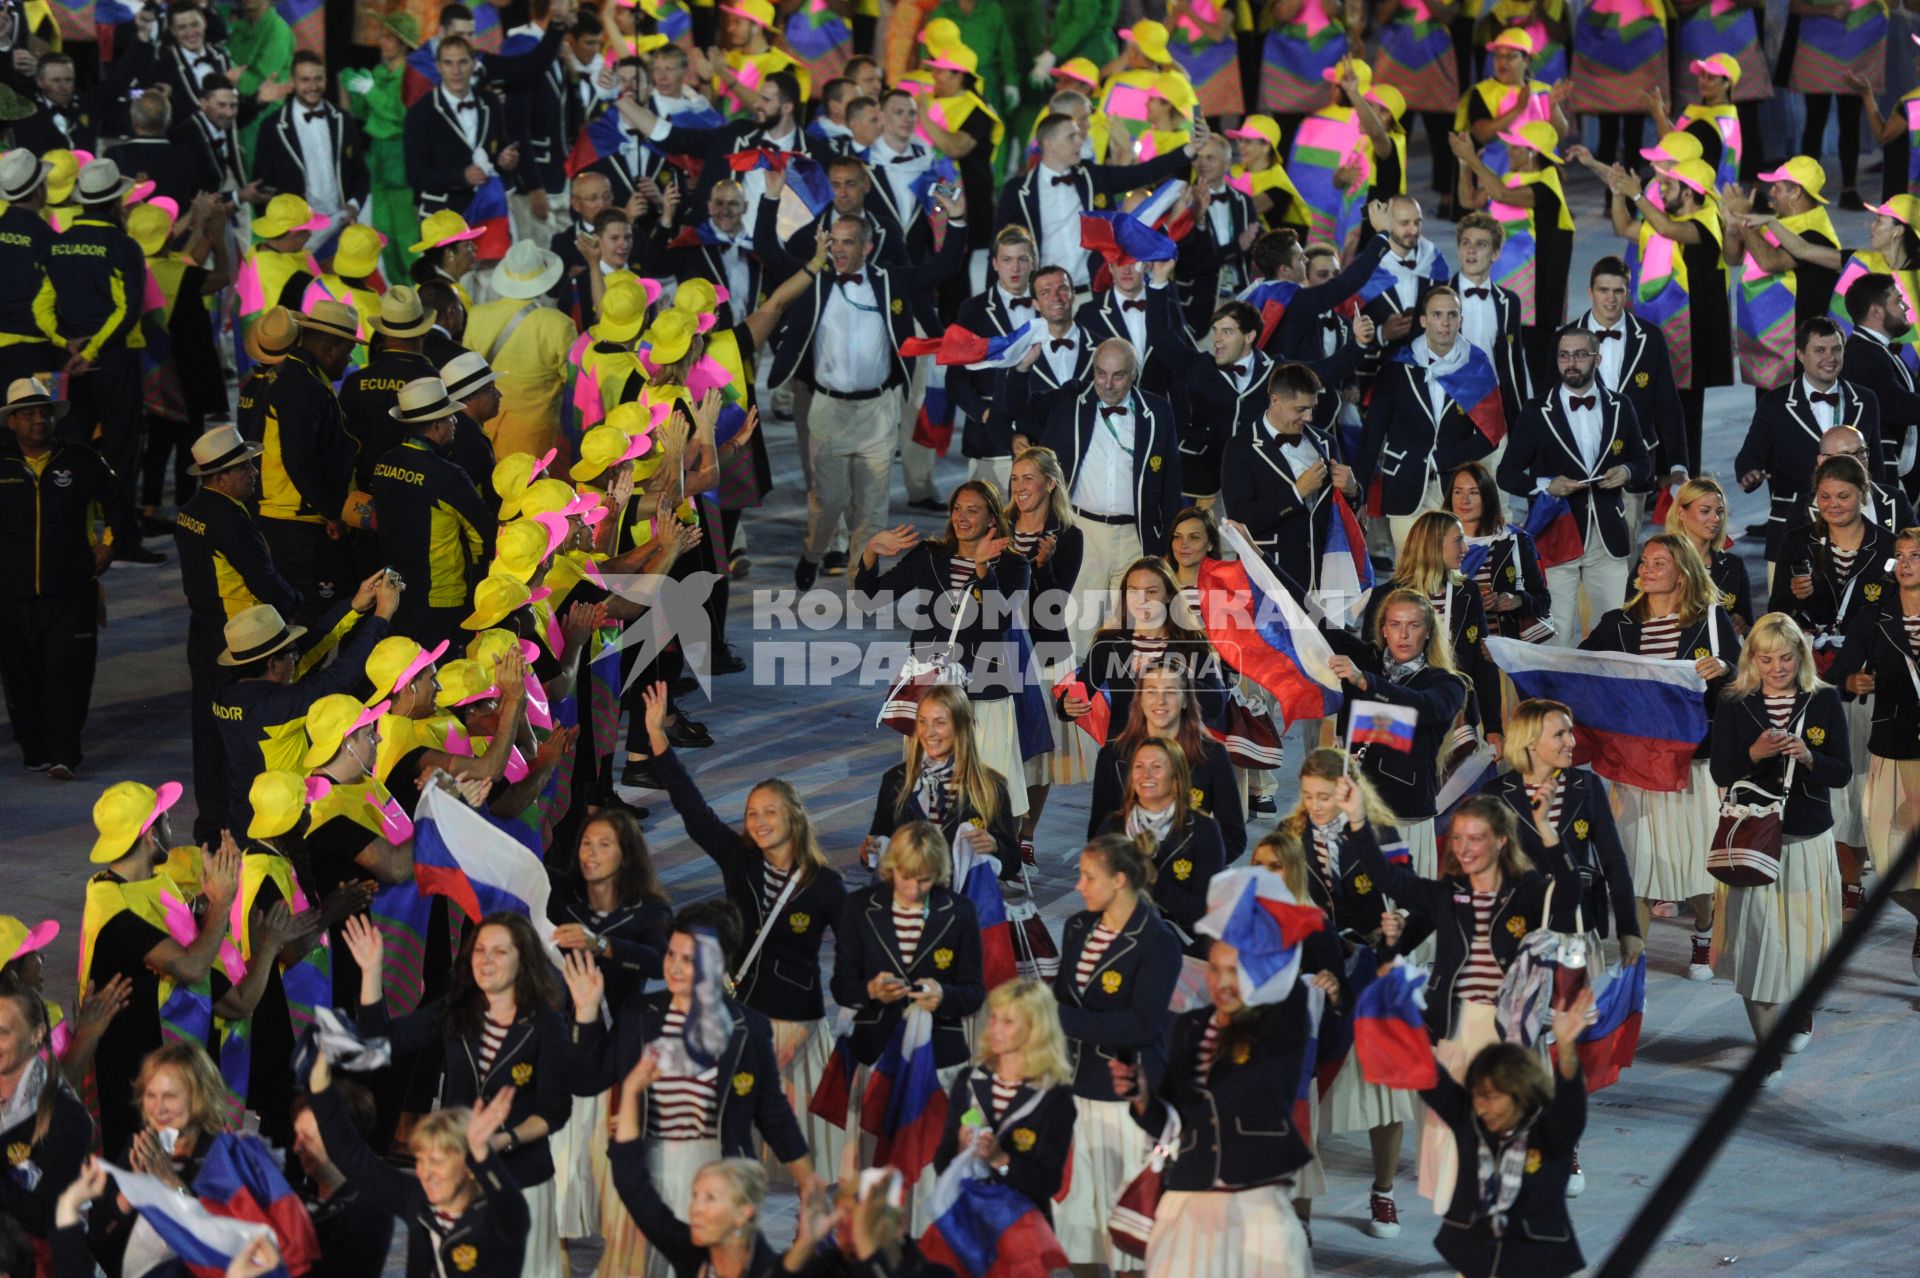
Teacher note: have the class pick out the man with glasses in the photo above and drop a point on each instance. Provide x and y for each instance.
(1581, 442)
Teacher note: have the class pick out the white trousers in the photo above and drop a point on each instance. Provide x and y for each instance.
(1605, 579)
(1107, 550)
(851, 442)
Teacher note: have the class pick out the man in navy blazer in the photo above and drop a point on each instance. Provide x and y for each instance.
(1226, 385)
(1058, 367)
(1879, 313)
(1783, 440)
(450, 130)
(1279, 476)
(1049, 198)
(1489, 313)
(986, 427)
(1300, 334)
(1634, 362)
(1143, 308)
(1120, 450)
(1581, 442)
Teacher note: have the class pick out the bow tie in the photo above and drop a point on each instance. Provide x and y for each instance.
(1134, 304)
(1829, 398)
(1581, 401)
(1064, 181)
(1113, 410)
(903, 159)
(1061, 344)
(312, 116)
(1609, 334)
(469, 105)
(1238, 370)
(207, 61)
(855, 278)
(1331, 323)
(1479, 292)
(1020, 301)
(1406, 263)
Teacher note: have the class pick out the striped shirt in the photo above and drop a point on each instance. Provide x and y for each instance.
(1091, 953)
(1327, 852)
(1660, 637)
(1443, 608)
(1780, 708)
(907, 925)
(773, 881)
(1004, 1090)
(442, 1223)
(1913, 633)
(491, 1038)
(683, 1108)
(1480, 976)
(1024, 543)
(1553, 808)
(960, 574)
(1209, 1048)
(1843, 560)
(1483, 575)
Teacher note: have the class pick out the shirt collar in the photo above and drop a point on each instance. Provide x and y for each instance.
(1875, 334)
(1807, 389)
(1047, 170)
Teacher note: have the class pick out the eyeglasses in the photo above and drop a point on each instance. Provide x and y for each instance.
(1575, 357)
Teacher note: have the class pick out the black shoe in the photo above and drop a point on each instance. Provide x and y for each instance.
(138, 556)
(154, 526)
(805, 573)
(684, 734)
(685, 686)
(35, 767)
(60, 772)
(834, 563)
(639, 773)
(615, 801)
(1756, 530)
(738, 567)
(1850, 199)
(931, 505)
(726, 661)
(1261, 805)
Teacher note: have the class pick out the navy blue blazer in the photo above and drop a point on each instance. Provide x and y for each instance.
(1029, 396)
(1873, 366)
(1738, 723)
(1877, 643)
(1588, 838)
(1646, 382)
(1260, 487)
(1036, 1142)
(1541, 446)
(1097, 185)
(948, 954)
(1467, 632)
(1219, 414)
(1049, 581)
(1350, 896)
(1298, 335)
(1164, 359)
(1183, 866)
(986, 423)
(1783, 439)
(893, 287)
(1406, 445)
(918, 580)
(636, 937)
(1215, 792)
(1407, 782)
(889, 814)
(1124, 1011)
(1515, 567)
(1157, 494)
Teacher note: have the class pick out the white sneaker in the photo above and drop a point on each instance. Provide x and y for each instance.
(1386, 1216)
(1801, 1037)
(1577, 1179)
(1700, 964)
(1771, 1081)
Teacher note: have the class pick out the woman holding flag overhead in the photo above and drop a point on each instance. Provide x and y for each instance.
(1163, 707)
(1665, 831)
(1157, 811)
(1430, 562)
(944, 780)
(500, 1029)
(1232, 1067)
(1836, 565)
(1118, 963)
(1780, 728)
(1407, 667)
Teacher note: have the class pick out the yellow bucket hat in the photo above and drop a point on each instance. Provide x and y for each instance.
(623, 312)
(356, 254)
(125, 812)
(397, 661)
(287, 212)
(333, 719)
(494, 599)
(547, 497)
(670, 337)
(149, 225)
(443, 228)
(17, 940)
(606, 446)
(278, 798)
(489, 646)
(463, 682)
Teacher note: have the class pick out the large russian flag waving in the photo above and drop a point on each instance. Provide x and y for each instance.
(1259, 629)
(239, 1194)
(974, 877)
(985, 1229)
(959, 345)
(1608, 1045)
(1252, 910)
(1390, 1029)
(905, 1108)
(1638, 719)
(459, 854)
(1475, 387)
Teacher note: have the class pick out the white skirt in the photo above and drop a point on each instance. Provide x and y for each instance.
(1775, 936)
(1439, 1159)
(576, 1192)
(672, 1164)
(1352, 1104)
(1249, 1234)
(1109, 1150)
(1666, 836)
(1070, 762)
(543, 1257)
(996, 740)
(1849, 800)
(1892, 801)
(803, 1049)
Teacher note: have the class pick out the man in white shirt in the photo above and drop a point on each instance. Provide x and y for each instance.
(1634, 362)
(311, 148)
(1878, 308)
(1580, 442)
(1415, 264)
(1489, 313)
(898, 159)
(672, 95)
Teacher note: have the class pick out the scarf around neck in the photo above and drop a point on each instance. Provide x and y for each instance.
(1158, 824)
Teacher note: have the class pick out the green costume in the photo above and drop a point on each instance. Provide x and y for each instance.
(265, 48)
(985, 30)
(374, 99)
(1084, 29)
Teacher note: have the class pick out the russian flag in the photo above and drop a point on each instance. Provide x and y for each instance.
(905, 1108)
(985, 1229)
(1608, 1045)
(239, 1195)
(1557, 537)
(960, 345)
(976, 878)
(459, 854)
(1475, 387)
(1346, 571)
(1641, 718)
(934, 427)
(1252, 910)
(1271, 298)
(1472, 776)
(1260, 630)
(833, 1094)
(1377, 723)
(941, 170)
(1122, 238)
(488, 212)
(697, 236)
(1390, 1030)
(602, 137)
(1032, 712)
(1097, 722)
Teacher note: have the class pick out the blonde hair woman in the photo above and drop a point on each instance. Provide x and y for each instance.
(945, 780)
(1045, 536)
(1014, 1108)
(1776, 713)
(1699, 513)
(1409, 662)
(1881, 647)
(1675, 616)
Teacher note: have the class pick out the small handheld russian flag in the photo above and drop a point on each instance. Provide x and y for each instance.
(1557, 537)
(1377, 723)
(1608, 1045)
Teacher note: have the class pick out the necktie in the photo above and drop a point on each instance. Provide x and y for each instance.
(1608, 334)
(1061, 344)
(1406, 263)
(1063, 181)
(848, 279)
(1135, 304)
(1829, 398)
(1020, 301)
(1479, 292)
(1112, 410)
(1580, 401)
(469, 105)
(1238, 370)
(313, 116)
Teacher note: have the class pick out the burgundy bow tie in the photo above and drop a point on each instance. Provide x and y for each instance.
(1479, 292)
(1609, 335)
(1112, 410)
(1061, 344)
(1829, 398)
(1238, 370)
(1581, 401)
(1020, 301)
(1135, 304)
(312, 116)
(469, 105)
(1406, 262)
(1064, 181)
(855, 278)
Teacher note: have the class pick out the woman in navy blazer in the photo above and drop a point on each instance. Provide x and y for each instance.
(501, 982)
(1014, 1108)
(1409, 662)
(1046, 537)
(1153, 627)
(878, 977)
(1164, 707)
(1500, 560)
(1184, 843)
(1665, 833)
(1699, 513)
(945, 781)
(1429, 564)
(1774, 712)
(967, 574)
(1118, 964)
(612, 906)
